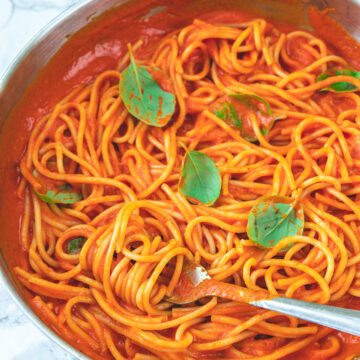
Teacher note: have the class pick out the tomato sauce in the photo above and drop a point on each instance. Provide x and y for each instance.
(98, 47)
(335, 35)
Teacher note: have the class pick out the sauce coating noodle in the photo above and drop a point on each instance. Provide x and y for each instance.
(112, 295)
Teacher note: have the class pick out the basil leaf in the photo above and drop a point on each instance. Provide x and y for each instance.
(74, 246)
(263, 130)
(272, 219)
(235, 110)
(248, 101)
(52, 197)
(228, 112)
(234, 116)
(200, 180)
(347, 72)
(143, 96)
(65, 196)
(322, 77)
(342, 86)
(223, 112)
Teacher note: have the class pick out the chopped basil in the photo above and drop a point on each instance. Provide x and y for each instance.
(74, 246)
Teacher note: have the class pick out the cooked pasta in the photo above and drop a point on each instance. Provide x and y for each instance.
(102, 267)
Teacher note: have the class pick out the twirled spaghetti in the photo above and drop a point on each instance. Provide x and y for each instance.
(137, 227)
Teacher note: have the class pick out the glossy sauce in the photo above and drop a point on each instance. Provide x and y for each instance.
(96, 48)
(335, 35)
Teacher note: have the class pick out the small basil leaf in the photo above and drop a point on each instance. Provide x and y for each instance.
(269, 112)
(248, 101)
(272, 219)
(342, 86)
(62, 195)
(52, 197)
(353, 73)
(143, 96)
(228, 114)
(235, 110)
(74, 246)
(234, 116)
(223, 113)
(322, 77)
(200, 180)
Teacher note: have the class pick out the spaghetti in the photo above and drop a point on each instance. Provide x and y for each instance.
(101, 269)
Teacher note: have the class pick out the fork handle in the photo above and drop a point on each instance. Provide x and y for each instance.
(346, 320)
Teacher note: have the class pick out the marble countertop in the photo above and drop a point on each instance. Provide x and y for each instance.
(20, 20)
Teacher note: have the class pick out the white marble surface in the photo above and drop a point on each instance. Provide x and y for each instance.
(19, 21)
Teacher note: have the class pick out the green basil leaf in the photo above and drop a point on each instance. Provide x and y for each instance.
(228, 113)
(272, 219)
(200, 180)
(353, 73)
(227, 108)
(222, 113)
(342, 86)
(247, 100)
(234, 116)
(322, 77)
(143, 96)
(62, 195)
(52, 197)
(74, 246)
(263, 130)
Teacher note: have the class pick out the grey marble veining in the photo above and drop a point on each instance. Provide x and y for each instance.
(20, 20)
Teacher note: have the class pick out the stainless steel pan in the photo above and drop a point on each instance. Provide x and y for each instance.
(49, 40)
